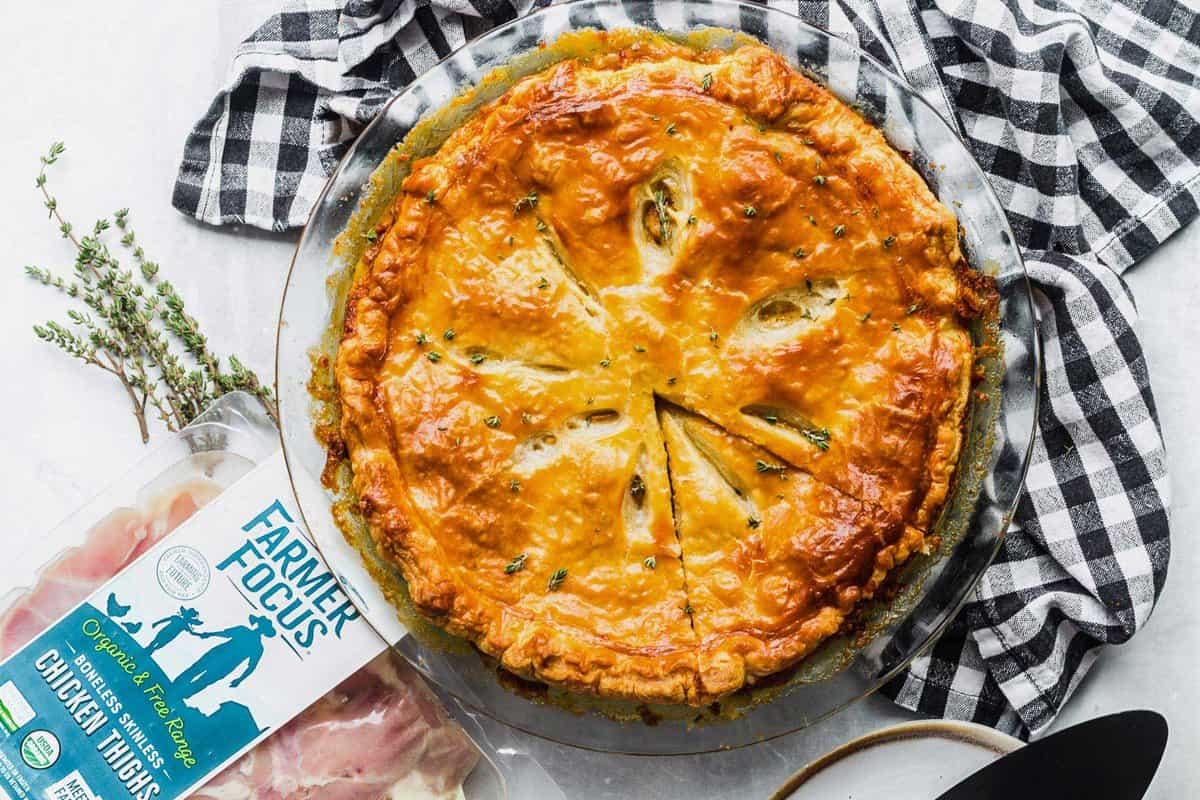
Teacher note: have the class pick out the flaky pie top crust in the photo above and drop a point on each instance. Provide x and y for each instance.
(655, 370)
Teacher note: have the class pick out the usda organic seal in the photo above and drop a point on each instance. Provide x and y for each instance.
(40, 749)
(183, 572)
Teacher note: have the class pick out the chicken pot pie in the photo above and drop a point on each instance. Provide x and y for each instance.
(655, 369)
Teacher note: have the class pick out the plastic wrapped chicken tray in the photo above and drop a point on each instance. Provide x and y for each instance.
(379, 734)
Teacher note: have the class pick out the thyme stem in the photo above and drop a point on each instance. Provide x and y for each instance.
(136, 330)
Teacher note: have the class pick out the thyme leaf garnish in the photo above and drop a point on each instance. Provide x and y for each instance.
(556, 580)
(664, 219)
(528, 201)
(517, 564)
(817, 436)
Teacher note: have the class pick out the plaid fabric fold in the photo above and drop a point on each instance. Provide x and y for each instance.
(1083, 113)
(300, 90)
(1086, 556)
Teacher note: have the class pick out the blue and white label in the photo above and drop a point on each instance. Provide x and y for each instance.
(208, 643)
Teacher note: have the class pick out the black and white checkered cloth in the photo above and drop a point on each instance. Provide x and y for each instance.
(1083, 113)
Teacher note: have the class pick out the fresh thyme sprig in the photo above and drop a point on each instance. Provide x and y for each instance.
(135, 326)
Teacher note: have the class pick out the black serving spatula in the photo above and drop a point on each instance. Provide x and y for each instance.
(1111, 757)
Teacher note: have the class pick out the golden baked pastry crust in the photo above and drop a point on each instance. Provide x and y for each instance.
(657, 225)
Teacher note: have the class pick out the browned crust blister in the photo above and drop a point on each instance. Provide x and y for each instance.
(574, 322)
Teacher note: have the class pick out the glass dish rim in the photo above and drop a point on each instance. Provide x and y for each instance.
(1036, 352)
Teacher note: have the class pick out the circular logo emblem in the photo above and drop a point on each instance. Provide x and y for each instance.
(183, 572)
(40, 749)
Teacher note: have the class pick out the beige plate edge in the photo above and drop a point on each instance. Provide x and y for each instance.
(971, 733)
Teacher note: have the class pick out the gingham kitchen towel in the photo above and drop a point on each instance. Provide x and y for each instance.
(1083, 113)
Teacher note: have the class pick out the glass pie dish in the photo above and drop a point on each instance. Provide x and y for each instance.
(926, 592)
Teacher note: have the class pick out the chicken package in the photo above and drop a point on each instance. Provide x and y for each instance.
(379, 734)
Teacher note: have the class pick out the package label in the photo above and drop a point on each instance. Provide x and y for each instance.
(220, 634)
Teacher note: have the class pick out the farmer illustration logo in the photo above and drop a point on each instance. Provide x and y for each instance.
(233, 657)
(242, 648)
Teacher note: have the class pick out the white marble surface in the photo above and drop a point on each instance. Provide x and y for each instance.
(121, 83)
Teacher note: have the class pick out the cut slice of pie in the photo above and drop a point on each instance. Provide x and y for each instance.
(774, 559)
